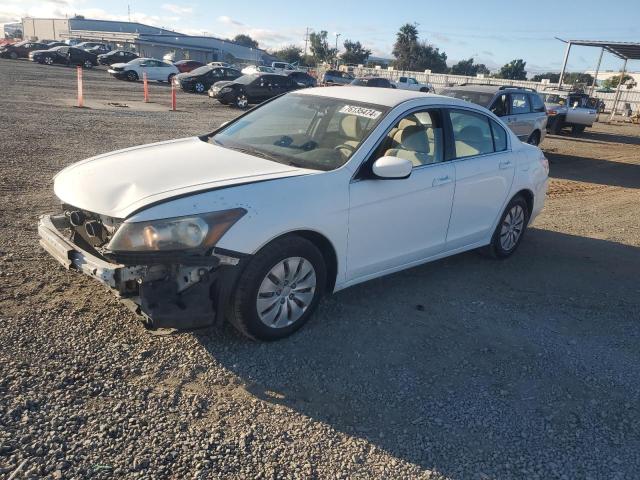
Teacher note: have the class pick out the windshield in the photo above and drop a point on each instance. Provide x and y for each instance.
(201, 70)
(305, 131)
(479, 98)
(554, 98)
(246, 79)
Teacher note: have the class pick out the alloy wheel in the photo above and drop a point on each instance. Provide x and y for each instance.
(88, 64)
(48, 60)
(512, 227)
(199, 87)
(242, 101)
(286, 292)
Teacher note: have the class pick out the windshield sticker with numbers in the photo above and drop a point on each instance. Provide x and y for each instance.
(360, 111)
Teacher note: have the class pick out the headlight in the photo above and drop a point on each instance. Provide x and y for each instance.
(225, 89)
(179, 233)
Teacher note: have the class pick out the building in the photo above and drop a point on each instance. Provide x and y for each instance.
(606, 74)
(148, 41)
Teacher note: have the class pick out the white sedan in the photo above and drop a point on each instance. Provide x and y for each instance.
(305, 195)
(157, 70)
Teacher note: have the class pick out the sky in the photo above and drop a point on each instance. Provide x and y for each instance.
(492, 32)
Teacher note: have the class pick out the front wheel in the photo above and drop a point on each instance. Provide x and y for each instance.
(279, 289)
(13, 56)
(577, 129)
(510, 230)
(241, 101)
(170, 78)
(132, 76)
(48, 60)
(199, 87)
(87, 64)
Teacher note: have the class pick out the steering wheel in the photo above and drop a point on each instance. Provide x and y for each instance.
(342, 147)
(284, 141)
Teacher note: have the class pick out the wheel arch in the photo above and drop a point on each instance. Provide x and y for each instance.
(528, 197)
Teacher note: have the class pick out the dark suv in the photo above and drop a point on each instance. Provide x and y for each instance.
(116, 56)
(522, 109)
(201, 79)
(373, 82)
(253, 88)
(336, 77)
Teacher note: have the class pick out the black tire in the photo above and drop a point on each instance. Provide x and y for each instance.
(243, 311)
(241, 101)
(534, 138)
(48, 60)
(496, 248)
(131, 76)
(87, 64)
(556, 126)
(577, 129)
(13, 55)
(424, 90)
(199, 87)
(170, 78)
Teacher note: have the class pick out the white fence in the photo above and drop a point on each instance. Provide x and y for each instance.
(442, 80)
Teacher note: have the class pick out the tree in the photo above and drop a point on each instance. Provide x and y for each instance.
(289, 54)
(514, 70)
(467, 67)
(245, 40)
(552, 76)
(412, 54)
(612, 82)
(577, 77)
(320, 48)
(354, 53)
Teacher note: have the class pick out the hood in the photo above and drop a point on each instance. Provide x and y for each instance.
(223, 83)
(118, 65)
(38, 52)
(119, 183)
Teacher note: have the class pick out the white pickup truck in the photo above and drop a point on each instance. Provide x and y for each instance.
(410, 83)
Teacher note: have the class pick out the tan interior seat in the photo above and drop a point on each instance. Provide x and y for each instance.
(351, 133)
(413, 146)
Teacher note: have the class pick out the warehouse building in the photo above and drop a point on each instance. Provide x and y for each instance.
(146, 40)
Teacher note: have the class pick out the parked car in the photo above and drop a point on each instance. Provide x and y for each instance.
(99, 49)
(568, 109)
(336, 77)
(88, 45)
(50, 45)
(201, 79)
(410, 83)
(303, 79)
(187, 65)
(522, 109)
(260, 218)
(116, 56)
(155, 69)
(373, 82)
(64, 56)
(221, 64)
(283, 67)
(249, 89)
(257, 69)
(20, 49)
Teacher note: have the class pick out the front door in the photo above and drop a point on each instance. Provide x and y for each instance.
(484, 170)
(520, 118)
(396, 223)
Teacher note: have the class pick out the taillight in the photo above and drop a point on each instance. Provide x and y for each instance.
(552, 112)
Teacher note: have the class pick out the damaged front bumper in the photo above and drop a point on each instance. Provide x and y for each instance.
(169, 291)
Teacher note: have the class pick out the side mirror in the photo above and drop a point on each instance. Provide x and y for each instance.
(389, 168)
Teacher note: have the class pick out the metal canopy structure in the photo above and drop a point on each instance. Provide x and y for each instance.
(623, 50)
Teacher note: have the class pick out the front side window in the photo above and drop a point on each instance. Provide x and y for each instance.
(471, 133)
(519, 104)
(306, 131)
(536, 102)
(412, 81)
(417, 137)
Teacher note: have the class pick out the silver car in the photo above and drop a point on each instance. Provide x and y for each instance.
(570, 109)
(521, 109)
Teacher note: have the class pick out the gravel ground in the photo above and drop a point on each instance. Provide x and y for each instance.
(465, 368)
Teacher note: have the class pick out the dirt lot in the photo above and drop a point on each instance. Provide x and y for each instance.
(465, 368)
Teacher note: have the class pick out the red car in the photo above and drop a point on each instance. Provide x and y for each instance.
(187, 65)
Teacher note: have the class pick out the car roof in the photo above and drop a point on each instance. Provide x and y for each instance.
(475, 88)
(389, 97)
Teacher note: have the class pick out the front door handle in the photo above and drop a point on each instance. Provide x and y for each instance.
(441, 181)
(505, 164)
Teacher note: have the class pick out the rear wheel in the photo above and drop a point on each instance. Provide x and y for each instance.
(199, 87)
(13, 56)
(87, 64)
(577, 129)
(510, 230)
(131, 76)
(170, 78)
(279, 289)
(556, 126)
(534, 138)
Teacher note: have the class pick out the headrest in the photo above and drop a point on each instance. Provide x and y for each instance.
(470, 134)
(350, 127)
(414, 138)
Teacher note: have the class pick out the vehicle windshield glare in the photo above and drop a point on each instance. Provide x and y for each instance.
(479, 98)
(202, 70)
(554, 98)
(305, 131)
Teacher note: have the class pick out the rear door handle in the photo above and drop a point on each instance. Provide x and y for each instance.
(505, 164)
(441, 181)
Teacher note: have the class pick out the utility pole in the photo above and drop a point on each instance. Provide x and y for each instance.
(337, 35)
(129, 12)
(306, 41)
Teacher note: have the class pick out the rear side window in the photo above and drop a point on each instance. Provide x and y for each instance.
(472, 133)
(499, 137)
(537, 105)
(520, 103)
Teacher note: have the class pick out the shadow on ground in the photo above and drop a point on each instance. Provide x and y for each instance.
(593, 170)
(461, 363)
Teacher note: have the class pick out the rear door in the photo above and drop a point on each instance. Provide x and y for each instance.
(578, 111)
(484, 170)
(520, 119)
